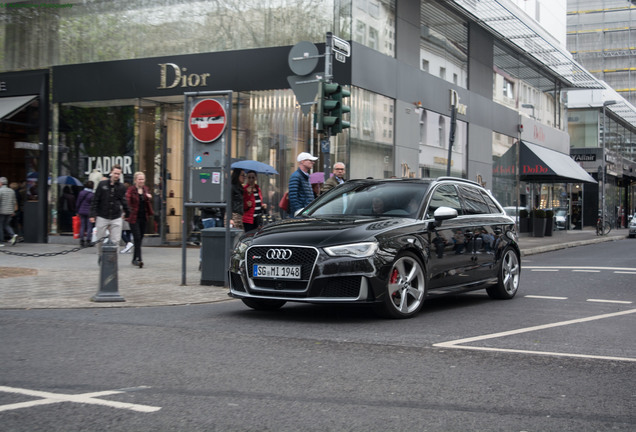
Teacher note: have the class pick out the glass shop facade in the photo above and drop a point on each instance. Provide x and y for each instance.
(118, 71)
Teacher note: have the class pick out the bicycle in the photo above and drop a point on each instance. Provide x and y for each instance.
(602, 228)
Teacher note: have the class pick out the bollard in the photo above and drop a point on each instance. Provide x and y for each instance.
(108, 287)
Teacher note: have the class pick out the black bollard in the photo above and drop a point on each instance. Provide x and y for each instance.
(108, 286)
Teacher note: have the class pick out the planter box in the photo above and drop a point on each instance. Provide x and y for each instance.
(538, 227)
(549, 226)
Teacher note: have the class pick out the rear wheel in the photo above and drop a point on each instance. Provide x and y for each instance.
(508, 277)
(406, 288)
(263, 304)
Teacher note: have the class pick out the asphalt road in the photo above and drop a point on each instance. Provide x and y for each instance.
(561, 356)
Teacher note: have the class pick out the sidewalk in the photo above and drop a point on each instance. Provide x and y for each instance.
(70, 280)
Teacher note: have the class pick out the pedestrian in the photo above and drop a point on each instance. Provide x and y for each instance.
(126, 233)
(83, 206)
(317, 180)
(238, 177)
(7, 211)
(139, 201)
(66, 210)
(109, 208)
(253, 208)
(337, 178)
(300, 192)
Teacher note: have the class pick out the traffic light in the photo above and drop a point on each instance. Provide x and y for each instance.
(327, 104)
(340, 109)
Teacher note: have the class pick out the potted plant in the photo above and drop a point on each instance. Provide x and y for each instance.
(538, 222)
(524, 221)
(549, 222)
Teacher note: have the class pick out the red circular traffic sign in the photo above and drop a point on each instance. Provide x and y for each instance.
(207, 120)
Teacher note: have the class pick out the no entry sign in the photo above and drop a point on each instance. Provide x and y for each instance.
(207, 120)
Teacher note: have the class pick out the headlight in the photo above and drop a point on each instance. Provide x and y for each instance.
(240, 248)
(356, 250)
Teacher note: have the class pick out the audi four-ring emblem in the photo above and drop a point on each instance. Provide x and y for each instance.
(279, 254)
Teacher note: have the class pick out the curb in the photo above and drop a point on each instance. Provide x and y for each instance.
(553, 247)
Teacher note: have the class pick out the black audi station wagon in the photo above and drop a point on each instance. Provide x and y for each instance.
(387, 243)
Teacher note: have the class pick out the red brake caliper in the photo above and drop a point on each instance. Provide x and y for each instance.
(394, 278)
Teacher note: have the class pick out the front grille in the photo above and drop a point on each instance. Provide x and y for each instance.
(237, 282)
(348, 286)
(303, 256)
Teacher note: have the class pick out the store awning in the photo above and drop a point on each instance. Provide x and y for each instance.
(542, 165)
(11, 105)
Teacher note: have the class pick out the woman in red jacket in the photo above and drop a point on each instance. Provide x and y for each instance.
(253, 206)
(140, 204)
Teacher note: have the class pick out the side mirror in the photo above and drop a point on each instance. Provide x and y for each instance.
(444, 213)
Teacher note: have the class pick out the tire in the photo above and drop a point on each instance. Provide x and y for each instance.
(263, 304)
(405, 289)
(508, 276)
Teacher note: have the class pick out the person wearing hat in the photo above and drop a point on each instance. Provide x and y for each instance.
(300, 192)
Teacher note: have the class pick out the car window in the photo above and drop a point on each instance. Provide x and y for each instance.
(473, 201)
(494, 208)
(444, 196)
(397, 199)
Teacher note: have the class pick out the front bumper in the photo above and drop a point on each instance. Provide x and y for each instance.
(323, 279)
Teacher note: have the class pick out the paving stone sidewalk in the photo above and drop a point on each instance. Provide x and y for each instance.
(71, 279)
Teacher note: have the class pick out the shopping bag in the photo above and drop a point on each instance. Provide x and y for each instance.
(284, 202)
(76, 226)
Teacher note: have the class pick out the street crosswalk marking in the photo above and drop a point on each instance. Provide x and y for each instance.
(47, 398)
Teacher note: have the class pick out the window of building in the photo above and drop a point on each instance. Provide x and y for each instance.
(444, 42)
(375, 25)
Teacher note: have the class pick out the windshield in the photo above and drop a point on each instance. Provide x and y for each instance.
(370, 198)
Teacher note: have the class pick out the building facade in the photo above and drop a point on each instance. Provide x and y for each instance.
(119, 70)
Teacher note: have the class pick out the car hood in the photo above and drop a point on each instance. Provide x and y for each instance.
(324, 232)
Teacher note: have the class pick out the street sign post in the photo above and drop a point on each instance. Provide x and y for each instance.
(340, 46)
(207, 120)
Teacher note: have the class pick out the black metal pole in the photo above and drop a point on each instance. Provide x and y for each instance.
(451, 138)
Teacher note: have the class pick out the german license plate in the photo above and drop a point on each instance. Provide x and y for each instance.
(276, 271)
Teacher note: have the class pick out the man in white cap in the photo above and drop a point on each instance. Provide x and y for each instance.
(300, 192)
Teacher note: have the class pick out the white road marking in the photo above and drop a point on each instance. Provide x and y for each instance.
(626, 272)
(459, 342)
(586, 271)
(581, 268)
(85, 398)
(544, 270)
(546, 297)
(609, 301)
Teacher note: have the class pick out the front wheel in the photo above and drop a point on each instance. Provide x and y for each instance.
(263, 304)
(507, 277)
(606, 228)
(406, 288)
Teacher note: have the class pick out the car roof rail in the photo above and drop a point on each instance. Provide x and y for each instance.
(457, 179)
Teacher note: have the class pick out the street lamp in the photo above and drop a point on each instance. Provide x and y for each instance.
(606, 103)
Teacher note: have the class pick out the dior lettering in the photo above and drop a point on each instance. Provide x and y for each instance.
(171, 76)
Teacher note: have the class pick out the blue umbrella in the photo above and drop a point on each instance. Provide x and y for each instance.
(68, 180)
(256, 166)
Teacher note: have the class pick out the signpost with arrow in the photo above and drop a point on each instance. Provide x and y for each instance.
(302, 60)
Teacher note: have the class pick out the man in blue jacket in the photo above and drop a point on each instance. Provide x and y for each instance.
(300, 192)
